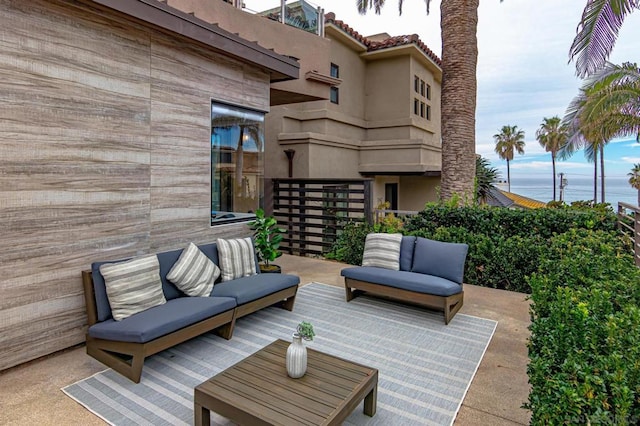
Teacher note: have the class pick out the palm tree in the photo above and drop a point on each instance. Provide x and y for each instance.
(607, 106)
(634, 179)
(486, 177)
(597, 33)
(509, 141)
(552, 135)
(458, 23)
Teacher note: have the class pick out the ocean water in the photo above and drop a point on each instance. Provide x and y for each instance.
(617, 189)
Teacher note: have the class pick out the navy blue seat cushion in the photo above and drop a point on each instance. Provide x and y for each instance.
(411, 281)
(445, 260)
(163, 319)
(248, 289)
(406, 252)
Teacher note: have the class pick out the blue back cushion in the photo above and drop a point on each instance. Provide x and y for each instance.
(445, 260)
(406, 253)
(167, 260)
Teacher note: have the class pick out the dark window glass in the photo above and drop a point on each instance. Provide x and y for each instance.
(416, 84)
(391, 195)
(422, 84)
(334, 95)
(428, 91)
(428, 112)
(422, 109)
(237, 168)
(416, 107)
(335, 71)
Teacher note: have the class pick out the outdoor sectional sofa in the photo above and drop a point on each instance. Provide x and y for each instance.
(123, 345)
(430, 274)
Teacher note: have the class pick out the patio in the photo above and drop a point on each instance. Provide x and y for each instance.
(30, 393)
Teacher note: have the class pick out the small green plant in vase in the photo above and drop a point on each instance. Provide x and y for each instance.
(305, 330)
(267, 236)
(296, 352)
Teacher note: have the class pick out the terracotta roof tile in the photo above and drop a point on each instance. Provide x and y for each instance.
(402, 40)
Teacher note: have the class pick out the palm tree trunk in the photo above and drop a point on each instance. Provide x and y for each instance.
(553, 168)
(595, 176)
(638, 197)
(508, 177)
(458, 23)
(602, 199)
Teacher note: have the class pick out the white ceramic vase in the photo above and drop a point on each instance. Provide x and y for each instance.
(296, 358)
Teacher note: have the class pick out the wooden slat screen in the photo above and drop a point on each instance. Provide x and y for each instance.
(313, 211)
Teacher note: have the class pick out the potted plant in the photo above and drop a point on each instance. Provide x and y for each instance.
(305, 330)
(267, 236)
(296, 361)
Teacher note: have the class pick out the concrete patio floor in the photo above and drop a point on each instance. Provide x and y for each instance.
(30, 393)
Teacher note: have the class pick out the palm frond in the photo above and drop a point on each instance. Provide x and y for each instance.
(597, 33)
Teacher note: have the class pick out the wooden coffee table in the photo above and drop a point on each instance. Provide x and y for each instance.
(257, 390)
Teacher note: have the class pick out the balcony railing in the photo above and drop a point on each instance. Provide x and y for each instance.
(299, 14)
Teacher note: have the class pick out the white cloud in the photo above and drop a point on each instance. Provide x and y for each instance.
(630, 160)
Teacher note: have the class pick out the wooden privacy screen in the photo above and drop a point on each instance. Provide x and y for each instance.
(314, 211)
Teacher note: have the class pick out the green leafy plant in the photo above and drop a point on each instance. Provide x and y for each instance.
(267, 236)
(305, 330)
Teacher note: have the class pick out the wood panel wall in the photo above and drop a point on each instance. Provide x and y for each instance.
(104, 154)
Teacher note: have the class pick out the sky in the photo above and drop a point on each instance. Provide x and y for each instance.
(523, 69)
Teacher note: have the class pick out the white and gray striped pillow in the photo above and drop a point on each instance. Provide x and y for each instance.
(133, 286)
(382, 251)
(237, 258)
(194, 273)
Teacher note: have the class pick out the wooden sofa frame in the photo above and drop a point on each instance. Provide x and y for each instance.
(127, 358)
(449, 304)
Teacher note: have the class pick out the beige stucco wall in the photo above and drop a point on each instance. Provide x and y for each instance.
(105, 155)
(387, 89)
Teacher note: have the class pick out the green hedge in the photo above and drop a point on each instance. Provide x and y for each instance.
(585, 334)
(505, 246)
(507, 223)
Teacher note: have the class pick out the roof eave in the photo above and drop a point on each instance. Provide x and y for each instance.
(159, 14)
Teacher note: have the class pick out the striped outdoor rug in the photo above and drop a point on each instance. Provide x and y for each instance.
(425, 367)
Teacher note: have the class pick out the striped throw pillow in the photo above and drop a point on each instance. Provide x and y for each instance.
(237, 258)
(133, 286)
(382, 251)
(194, 273)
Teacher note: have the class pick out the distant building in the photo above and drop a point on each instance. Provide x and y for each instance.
(500, 198)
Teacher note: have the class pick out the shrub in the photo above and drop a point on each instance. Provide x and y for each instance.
(585, 333)
(349, 244)
(505, 246)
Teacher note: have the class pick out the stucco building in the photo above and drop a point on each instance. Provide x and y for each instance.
(381, 121)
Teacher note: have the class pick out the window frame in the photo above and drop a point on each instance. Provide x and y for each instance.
(246, 216)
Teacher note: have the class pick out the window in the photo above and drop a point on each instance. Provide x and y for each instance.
(334, 92)
(391, 195)
(334, 95)
(423, 91)
(237, 168)
(335, 71)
